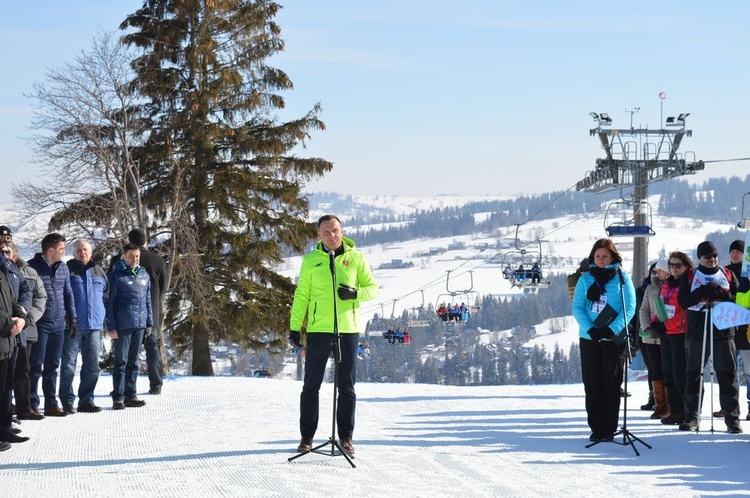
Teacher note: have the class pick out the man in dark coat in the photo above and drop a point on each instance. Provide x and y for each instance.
(59, 311)
(128, 308)
(157, 271)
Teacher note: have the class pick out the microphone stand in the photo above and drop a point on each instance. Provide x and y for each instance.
(336, 346)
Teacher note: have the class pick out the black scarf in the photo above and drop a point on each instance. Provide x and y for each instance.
(672, 282)
(601, 277)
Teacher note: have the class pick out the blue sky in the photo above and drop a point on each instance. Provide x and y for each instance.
(474, 97)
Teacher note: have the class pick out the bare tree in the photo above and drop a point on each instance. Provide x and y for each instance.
(87, 128)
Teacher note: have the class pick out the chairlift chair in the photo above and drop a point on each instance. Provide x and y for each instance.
(619, 219)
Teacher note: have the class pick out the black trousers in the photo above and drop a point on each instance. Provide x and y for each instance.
(602, 367)
(6, 395)
(674, 366)
(21, 386)
(724, 365)
(319, 348)
(652, 358)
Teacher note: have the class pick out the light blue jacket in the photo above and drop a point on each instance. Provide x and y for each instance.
(582, 307)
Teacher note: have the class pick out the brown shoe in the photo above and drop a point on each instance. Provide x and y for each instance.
(30, 415)
(346, 443)
(55, 411)
(305, 444)
(719, 414)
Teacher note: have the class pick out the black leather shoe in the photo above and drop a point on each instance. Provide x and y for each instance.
(118, 405)
(69, 409)
(4, 446)
(9, 437)
(154, 391)
(134, 403)
(92, 408)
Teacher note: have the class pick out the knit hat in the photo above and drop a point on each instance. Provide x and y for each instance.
(662, 265)
(5, 231)
(737, 245)
(706, 248)
(137, 237)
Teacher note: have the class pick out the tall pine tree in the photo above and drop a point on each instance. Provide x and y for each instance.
(218, 172)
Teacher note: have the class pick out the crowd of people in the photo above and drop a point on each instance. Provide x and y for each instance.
(671, 310)
(398, 335)
(52, 310)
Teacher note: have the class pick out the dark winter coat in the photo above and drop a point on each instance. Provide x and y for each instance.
(8, 309)
(89, 284)
(18, 286)
(56, 278)
(128, 303)
(157, 271)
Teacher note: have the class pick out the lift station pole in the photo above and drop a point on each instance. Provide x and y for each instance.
(634, 158)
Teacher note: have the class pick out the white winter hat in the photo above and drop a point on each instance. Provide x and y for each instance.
(662, 264)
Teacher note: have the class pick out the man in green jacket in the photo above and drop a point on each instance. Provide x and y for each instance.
(314, 304)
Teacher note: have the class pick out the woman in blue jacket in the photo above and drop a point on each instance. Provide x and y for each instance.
(600, 292)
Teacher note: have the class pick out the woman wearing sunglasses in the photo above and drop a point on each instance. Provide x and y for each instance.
(673, 360)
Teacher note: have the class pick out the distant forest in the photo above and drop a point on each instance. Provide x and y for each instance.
(450, 353)
(678, 198)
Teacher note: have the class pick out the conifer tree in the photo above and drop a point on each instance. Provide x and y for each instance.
(219, 173)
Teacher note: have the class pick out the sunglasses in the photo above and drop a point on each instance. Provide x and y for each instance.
(675, 265)
(710, 256)
(6, 252)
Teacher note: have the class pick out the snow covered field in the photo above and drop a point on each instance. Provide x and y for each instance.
(215, 437)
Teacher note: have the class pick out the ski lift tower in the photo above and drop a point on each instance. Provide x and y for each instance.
(634, 158)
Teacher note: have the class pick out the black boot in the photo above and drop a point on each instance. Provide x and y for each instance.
(650, 404)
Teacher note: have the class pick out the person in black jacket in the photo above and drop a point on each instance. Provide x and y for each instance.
(699, 288)
(12, 321)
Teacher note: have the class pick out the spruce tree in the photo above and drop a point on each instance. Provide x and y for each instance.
(219, 173)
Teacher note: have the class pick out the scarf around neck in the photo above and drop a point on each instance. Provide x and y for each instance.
(601, 277)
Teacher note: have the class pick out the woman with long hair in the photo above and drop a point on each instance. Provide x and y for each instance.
(603, 291)
(673, 359)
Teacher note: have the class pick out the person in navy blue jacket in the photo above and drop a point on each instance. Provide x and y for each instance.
(89, 283)
(601, 356)
(128, 315)
(59, 311)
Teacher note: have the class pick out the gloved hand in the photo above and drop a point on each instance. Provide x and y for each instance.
(595, 334)
(347, 292)
(294, 339)
(607, 333)
(658, 328)
(709, 289)
(73, 328)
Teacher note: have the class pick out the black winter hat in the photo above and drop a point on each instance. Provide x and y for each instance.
(5, 231)
(737, 245)
(137, 237)
(706, 248)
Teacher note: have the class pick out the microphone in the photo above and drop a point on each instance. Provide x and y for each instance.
(332, 260)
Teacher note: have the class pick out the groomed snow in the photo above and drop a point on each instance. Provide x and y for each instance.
(207, 437)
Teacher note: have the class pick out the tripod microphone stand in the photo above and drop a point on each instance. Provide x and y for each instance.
(336, 346)
(628, 438)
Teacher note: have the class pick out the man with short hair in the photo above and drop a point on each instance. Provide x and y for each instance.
(89, 283)
(128, 308)
(35, 312)
(59, 311)
(157, 271)
(314, 303)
